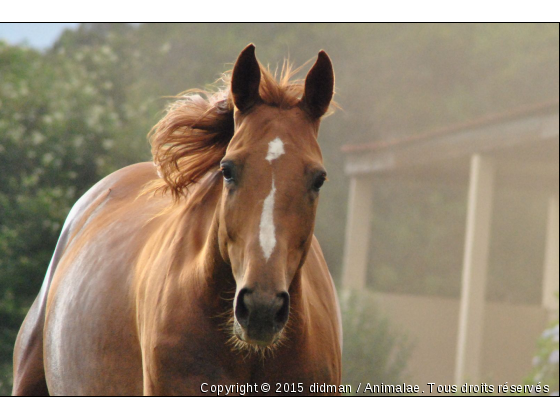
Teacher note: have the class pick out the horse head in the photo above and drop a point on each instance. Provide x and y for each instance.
(272, 173)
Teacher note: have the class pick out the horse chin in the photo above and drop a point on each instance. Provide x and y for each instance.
(241, 341)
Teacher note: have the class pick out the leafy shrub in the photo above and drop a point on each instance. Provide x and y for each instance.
(545, 363)
(373, 352)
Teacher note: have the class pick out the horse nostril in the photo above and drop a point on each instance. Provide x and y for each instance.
(281, 316)
(241, 310)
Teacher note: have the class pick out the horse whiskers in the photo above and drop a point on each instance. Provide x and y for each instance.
(249, 350)
(228, 299)
(246, 349)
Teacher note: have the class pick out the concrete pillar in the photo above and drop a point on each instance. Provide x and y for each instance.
(551, 252)
(358, 227)
(475, 265)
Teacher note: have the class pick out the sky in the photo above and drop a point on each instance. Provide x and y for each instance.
(37, 35)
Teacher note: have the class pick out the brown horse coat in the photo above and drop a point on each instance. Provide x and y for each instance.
(160, 293)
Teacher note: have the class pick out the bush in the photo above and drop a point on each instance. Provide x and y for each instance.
(545, 363)
(373, 351)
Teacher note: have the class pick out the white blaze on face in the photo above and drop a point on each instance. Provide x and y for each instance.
(275, 149)
(267, 235)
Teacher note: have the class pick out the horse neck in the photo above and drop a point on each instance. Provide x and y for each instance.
(216, 275)
(207, 272)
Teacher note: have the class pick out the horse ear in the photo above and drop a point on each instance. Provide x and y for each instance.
(319, 86)
(246, 79)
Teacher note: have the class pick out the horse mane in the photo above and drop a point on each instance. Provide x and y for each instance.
(192, 137)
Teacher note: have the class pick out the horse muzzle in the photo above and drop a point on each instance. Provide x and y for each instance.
(260, 317)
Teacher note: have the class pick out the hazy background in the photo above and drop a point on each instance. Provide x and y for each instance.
(77, 101)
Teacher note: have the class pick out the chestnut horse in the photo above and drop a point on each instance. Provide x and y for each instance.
(201, 269)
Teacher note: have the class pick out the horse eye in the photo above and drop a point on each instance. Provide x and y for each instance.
(319, 181)
(227, 173)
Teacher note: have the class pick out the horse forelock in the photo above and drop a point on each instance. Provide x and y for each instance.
(193, 135)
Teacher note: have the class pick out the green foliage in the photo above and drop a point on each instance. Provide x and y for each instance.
(545, 363)
(11, 315)
(373, 351)
(5, 375)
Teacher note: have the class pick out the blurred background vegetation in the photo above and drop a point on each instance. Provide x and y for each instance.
(81, 109)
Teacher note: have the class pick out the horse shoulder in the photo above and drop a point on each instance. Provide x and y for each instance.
(89, 208)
